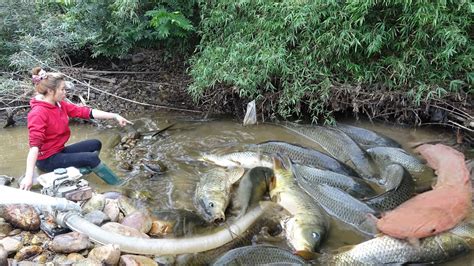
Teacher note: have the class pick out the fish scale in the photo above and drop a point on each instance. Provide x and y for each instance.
(385, 249)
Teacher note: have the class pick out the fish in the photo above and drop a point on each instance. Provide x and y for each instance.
(342, 206)
(388, 250)
(388, 155)
(355, 186)
(437, 210)
(367, 138)
(246, 159)
(338, 145)
(211, 197)
(303, 156)
(259, 255)
(399, 187)
(252, 187)
(308, 224)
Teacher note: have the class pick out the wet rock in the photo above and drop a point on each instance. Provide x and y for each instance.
(21, 216)
(97, 217)
(113, 195)
(165, 259)
(138, 220)
(74, 257)
(97, 202)
(3, 256)
(26, 263)
(41, 258)
(134, 260)
(28, 252)
(112, 210)
(39, 239)
(61, 259)
(14, 232)
(70, 242)
(126, 206)
(11, 245)
(5, 227)
(160, 228)
(123, 230)
(88, 262)
(108, 254)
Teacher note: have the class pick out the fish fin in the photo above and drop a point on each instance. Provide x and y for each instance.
(307, 255)
(379, 235)
(415, 242)
(235, 173)
(271, 182)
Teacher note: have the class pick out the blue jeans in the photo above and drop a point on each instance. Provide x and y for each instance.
(81, 154)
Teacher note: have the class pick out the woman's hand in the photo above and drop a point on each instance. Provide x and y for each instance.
(122, 121)
(26, 183)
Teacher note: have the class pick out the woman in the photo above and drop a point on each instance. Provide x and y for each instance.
(48, 131)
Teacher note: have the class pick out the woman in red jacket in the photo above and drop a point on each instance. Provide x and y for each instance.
(48, 131)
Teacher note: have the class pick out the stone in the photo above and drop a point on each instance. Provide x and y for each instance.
(3, 256)
(123, 230)
(74, 257)
(70, 242)
(108, 254)
(135, 260)
(97, 217)
(21, 216)
(28, 252)
(112, 210)
(11, 245)
(97, 202)
(88, 262)
(5, 227)
(139, 221)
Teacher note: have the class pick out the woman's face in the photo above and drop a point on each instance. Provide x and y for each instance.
(60, 93)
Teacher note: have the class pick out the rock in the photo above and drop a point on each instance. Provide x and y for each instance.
(161, 228)
(5, 227)
(97, 217)
(126, 206)
(41, 258)
(11, 245)
(88, 262)
(138, 58)
(108, 254)
(70, 242)
(74, 257)
(39, 239)
(112, 210)
(15, 232)
(26, 263)
(61, 259)
(28, 252)
(21, 216)
(134, 260)
(3, 256)
(97, 202)
(123, 230)
(138, 220)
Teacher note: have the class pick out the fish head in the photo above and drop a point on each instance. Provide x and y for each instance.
(302, 236)
(212, 207)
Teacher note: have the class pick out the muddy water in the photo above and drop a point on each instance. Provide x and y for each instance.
(180, 147)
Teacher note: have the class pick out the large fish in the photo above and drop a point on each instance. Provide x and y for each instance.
(342, 206)
(388, 155)
(367, 138)
(259, 255)
(246, 159)
(303, 156)
(252, 187)
(399, 186)
(338, 145)
(434, 211)
(354, 186)
(213, 192)
(308, 224)
(388, 250)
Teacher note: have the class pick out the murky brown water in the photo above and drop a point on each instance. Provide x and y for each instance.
(180, 147)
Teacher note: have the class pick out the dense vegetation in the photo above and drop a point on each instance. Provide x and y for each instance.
(290, 55)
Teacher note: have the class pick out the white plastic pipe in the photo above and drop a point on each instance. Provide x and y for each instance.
(146, 246)
(9, 195)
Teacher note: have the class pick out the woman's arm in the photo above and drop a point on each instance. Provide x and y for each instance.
(98, 114)
(27, 181)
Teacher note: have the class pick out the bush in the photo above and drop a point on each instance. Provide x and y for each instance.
(302, 49)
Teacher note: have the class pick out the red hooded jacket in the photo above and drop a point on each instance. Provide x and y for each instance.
(48, 125)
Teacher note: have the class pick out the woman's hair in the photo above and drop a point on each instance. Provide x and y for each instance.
(46, 80)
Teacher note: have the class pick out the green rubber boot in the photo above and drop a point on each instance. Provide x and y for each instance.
(104, 172)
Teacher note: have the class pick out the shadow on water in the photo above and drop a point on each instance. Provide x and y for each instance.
(180, 147)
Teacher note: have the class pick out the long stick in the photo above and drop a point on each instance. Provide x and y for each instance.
(114, 95)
